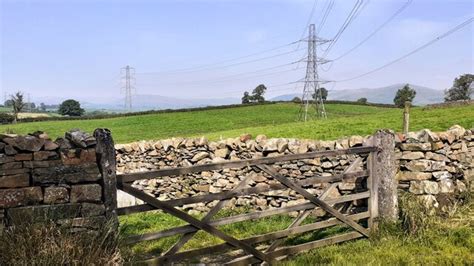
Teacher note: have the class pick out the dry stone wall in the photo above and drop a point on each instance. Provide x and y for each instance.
(179, 152)
(429, 165)
(57, 180)
(433, 164)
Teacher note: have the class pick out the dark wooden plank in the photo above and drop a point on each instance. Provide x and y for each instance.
(312, 198)
(242, 217)
(125, 178)
(240, 192)
(255, 239)
(186, 237)
(196, 223)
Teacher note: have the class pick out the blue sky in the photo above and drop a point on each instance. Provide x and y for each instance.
(76, 48)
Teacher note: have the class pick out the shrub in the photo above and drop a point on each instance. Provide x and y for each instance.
(49, 244)
(6, 118)
(362, 100)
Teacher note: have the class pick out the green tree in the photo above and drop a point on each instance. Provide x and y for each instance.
(246, 98)
(17, 104)
(8, 103)
(296, 100)
(71, 108)
(324, 93)
(404, 94)
(462, 89)
(257, 94)
(43, 107)
(362, 100)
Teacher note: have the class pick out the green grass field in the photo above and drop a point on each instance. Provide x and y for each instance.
(274, 120)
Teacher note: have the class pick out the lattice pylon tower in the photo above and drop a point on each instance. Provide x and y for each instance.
(128, 78)
(312, 106)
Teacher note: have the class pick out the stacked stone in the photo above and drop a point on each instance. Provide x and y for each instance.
(179, 152)
(430, 164)
(433, 164)
(57, 180)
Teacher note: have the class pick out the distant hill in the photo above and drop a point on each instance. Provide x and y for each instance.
(424, 95)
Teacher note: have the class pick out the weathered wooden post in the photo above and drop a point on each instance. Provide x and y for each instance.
(106, 160)
(383, 203)
(406, 117)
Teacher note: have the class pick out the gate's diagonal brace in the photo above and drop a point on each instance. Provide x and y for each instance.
(186, 237)
(290, 184)
(195, 222)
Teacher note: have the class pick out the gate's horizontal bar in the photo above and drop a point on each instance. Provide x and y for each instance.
(242, 192)
(257, 239)
(238, 164)
(242, 217)
(292, 250)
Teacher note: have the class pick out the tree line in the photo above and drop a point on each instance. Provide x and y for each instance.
(462, 89)
(18, 105)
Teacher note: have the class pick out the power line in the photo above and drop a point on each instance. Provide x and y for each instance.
(442, 36)
(234, 79)
(311, 14)
(376, 30)
(325, 16)
(350, 18)
(230, 65)
(216, 64)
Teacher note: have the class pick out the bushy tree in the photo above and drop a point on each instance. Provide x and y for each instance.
(257, 94)
(324, 93)
(6, 118)
(296, 100)
(8, 103)
(71, 108)
(404, 94)
(462, 89)
(362, 100)
(43, 107)
(246, 98)
(17, 104)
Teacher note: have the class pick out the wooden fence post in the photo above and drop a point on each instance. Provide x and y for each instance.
(406, 117)
(383, 171)
(106, 160)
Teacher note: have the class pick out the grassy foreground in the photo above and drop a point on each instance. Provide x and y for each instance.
(274, 120)
(444, 240)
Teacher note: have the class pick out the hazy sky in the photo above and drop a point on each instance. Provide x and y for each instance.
(76, 48)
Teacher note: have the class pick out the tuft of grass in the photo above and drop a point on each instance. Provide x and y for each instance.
(47, 243)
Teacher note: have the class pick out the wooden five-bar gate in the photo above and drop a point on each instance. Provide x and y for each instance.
(360, 222)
